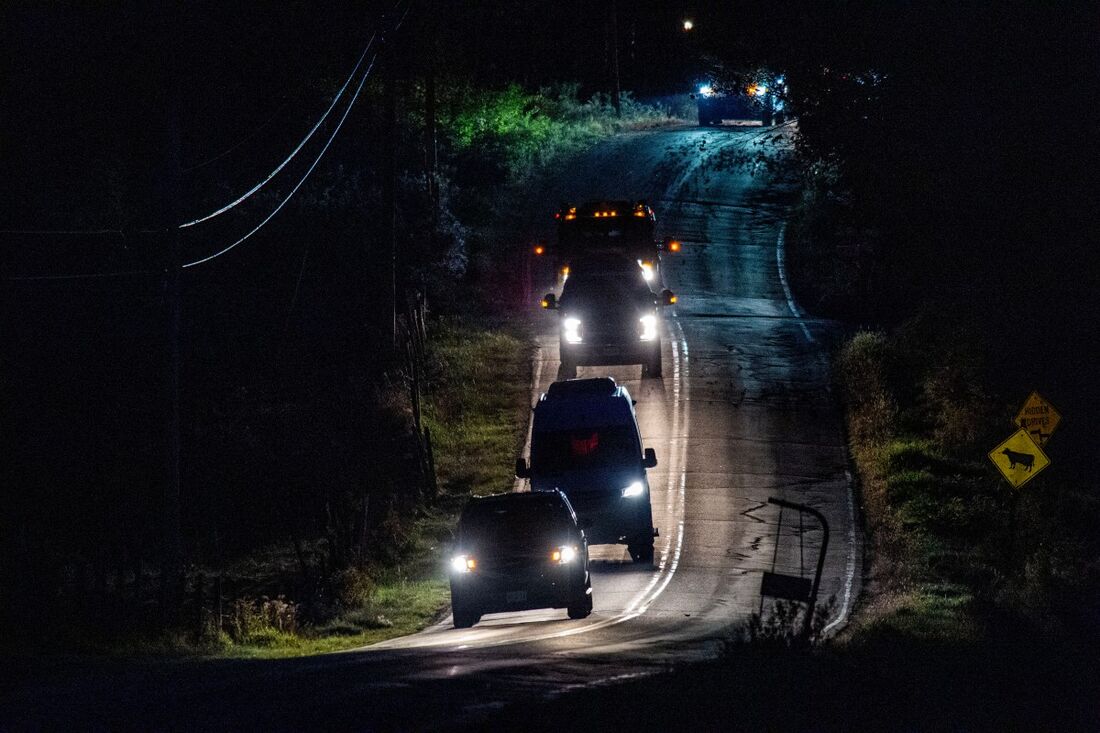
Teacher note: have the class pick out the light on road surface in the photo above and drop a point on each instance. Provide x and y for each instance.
(649, 327)
(635, 489)
(647, 271)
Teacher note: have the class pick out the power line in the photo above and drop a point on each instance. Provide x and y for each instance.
(304, 177)
(294, 152)
(239, 143)
(86, 276)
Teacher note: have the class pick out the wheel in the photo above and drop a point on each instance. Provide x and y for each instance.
(583, 607)
(464, 617)
(568, 370)
(652, 368)
(642, 553)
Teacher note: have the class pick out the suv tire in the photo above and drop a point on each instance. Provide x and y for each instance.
(641, 553)
(464, 618)
(583, 607)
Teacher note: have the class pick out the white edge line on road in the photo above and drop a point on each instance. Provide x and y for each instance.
(781, 261)
(536, 388)
(850, 561)
(850, 570)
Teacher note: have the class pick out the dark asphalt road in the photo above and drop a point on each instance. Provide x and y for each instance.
(743, 413)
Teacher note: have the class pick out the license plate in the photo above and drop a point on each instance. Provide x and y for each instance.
(515, 596)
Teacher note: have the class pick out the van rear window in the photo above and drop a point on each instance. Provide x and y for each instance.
(584, 449)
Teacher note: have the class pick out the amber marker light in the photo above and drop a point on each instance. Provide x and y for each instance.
(540, 250)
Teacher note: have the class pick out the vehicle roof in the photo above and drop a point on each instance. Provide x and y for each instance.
(552, 498)
(582, 403)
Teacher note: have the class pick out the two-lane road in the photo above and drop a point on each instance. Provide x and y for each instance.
(743, 413)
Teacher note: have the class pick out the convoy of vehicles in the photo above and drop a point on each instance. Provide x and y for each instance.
(760, 100)
(517, 552)
(587, 469)
(585, 443)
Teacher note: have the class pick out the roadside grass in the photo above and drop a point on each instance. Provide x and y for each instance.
(476, 405)
(957, 556)
(477, 408)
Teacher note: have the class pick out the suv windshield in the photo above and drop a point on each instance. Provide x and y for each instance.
(514, 522)
(584, 449)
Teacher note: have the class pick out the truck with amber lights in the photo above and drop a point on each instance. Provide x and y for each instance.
(755, 97)
(585, 443)
(601, 228)
(516, 552)
(608, 315)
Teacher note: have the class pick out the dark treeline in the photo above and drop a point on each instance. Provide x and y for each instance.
(948, 152)
(296, 424)
(950, 148)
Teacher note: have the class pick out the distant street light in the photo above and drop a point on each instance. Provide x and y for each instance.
(688, 24)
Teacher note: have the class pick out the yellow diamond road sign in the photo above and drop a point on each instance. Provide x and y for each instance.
(1019, 459)
(1038, 417)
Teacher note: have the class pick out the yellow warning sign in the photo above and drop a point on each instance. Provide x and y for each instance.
(1038, 417)
(1019, 459)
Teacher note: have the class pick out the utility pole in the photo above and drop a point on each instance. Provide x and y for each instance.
(171, 572)
(389, 169)
(615, 57)
(428, 53)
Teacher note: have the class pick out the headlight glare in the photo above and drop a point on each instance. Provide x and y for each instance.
(635, 489)
(571, 329)
(564, 554)
(649, 327)
(463, 563)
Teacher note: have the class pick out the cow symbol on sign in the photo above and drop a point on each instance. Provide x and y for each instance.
(1024, 459)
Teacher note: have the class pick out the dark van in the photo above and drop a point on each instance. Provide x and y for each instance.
(585, 443)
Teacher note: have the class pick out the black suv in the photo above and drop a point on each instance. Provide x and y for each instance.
(609, 316)
(516, 552)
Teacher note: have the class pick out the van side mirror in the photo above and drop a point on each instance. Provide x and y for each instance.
(550, 302)
(522, 471)
(650, 458)
(668, 297)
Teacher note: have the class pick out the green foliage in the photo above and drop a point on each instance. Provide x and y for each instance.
(943, 529)
(501, 135)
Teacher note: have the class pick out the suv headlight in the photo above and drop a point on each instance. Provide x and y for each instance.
(564, 554)
(635, 489)
(571, 329)
(649, 327)
(463, 563)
